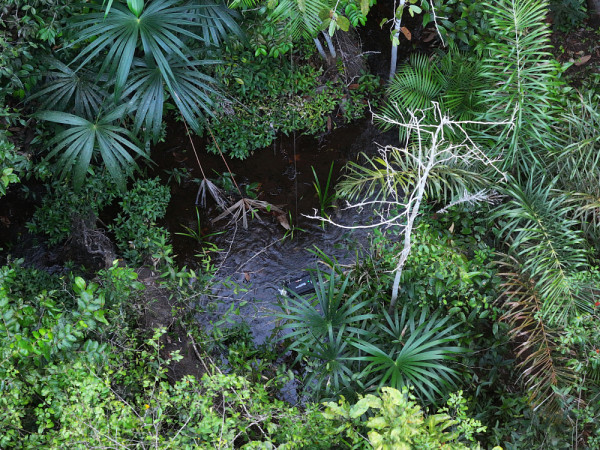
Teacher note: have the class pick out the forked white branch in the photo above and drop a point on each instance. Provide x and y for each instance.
(428, 150)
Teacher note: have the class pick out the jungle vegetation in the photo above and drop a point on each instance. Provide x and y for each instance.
(471, 321)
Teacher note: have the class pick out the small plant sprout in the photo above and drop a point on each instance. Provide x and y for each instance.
(324, 193)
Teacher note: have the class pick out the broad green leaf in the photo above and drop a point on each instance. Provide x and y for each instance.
(359, 408)
(343, 23)
(378, 423)
(364, 7)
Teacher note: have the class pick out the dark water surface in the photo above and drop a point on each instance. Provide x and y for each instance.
(260, 259)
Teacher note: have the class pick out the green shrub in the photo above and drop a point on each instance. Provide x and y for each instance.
(12, 164)
(460, 22)
(271, 96)
(394, 420)
(568, 14)
(136, 233)
(61, 206)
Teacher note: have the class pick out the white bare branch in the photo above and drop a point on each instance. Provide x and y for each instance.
(429, 150)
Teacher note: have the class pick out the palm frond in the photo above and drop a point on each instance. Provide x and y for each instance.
(161, 29)
(67, 90)
(78, 143)
(193, 91)
(248, 206)
(145, 88)
(207, 186)
(334, 371)
(586, 210)
(310, 319)
(577, 159)
(544, 369)
(217, 22)
(416, 84)
(419, 348)
(464, 84)
(394, 174)
(301, 16)
(521, 72)
(452, 79)
(541, 232)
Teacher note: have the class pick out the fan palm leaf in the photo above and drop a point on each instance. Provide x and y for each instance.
(78, 143)
(192, 91)
(217, 22)
(417, 354)
(66, 89)
(310, 320)
(334, 373)
(162, 29)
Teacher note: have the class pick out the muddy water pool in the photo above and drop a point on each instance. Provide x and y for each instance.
(261, 259)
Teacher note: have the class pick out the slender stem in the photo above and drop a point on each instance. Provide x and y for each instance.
(224, 160)
(320, 48)
(329, 44)
(396, 33)
(193, 147)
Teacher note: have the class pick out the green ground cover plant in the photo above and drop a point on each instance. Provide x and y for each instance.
(485, 335)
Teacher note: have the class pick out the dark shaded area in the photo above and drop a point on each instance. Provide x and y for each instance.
(581, 47)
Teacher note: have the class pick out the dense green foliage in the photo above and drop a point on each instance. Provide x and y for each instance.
(469, 320)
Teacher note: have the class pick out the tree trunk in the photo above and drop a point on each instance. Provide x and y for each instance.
(320, 48)
(330, 44)
(397, 23)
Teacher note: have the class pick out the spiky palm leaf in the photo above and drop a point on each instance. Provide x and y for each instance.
(413, 350)
(333, 373)
(577, 161)
(586, 210)
(69, 90)
(217, 22)
(78, 144)
(544, 369)
(301, 16)
(521, 72)
(192, 91)
(330, 308)
(541, 233)
(395, 174)
(161, 31)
